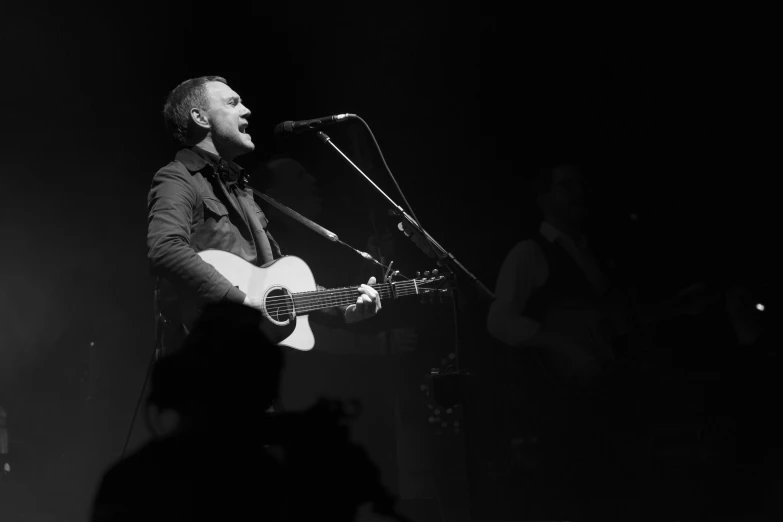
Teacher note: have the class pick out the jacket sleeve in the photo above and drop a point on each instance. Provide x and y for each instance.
(171, 201)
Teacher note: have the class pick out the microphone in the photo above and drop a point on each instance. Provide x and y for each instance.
(298, 127)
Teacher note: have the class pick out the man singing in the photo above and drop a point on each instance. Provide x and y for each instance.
(200, 201)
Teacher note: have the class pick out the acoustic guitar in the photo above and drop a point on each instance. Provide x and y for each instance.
(289, 293)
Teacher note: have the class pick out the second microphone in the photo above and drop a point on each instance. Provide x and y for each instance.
(298, 127)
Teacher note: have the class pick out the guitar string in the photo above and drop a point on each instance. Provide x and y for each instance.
(342, 293)
(316, 303)
(304, 308)
(336, 294)
(287, 309)
(377, 286)
(351, 293)
(332, 299)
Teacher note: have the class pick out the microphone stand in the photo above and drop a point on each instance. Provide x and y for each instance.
(445, 258)
(452, 379)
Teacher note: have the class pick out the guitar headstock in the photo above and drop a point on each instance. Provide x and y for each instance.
(432, 287)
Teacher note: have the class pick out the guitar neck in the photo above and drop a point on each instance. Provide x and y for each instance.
(306, 302)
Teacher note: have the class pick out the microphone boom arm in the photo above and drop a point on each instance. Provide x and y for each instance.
(315, 227)
(326, 139)
(296, 216)
(444, 257)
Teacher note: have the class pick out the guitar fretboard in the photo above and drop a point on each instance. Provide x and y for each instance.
(306, 302)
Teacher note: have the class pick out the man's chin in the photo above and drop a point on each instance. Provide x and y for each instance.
(246, 146)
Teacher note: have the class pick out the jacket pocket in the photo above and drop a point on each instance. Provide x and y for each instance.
(214, 207)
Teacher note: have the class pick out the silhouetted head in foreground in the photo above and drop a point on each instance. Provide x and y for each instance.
(227, 458)
(226, 375)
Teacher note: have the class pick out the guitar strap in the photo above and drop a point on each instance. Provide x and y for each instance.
(262, 240)
(296, 216)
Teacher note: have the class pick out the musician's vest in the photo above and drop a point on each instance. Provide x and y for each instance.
(567, 300)
(538, 401)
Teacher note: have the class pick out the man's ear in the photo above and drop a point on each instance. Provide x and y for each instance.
(199, 117)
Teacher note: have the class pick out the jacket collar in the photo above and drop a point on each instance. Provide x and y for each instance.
(196, 159)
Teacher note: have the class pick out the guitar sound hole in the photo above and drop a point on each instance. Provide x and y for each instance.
(279, 305)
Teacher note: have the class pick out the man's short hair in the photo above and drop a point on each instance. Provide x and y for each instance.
(185, 96)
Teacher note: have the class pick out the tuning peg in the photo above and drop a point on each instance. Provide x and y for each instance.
(435, 272)
(426, 273)
(418, 275)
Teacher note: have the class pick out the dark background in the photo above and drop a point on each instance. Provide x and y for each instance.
(672, 120)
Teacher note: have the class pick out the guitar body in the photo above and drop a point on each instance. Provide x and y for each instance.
(274, 283)
(287, 289)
